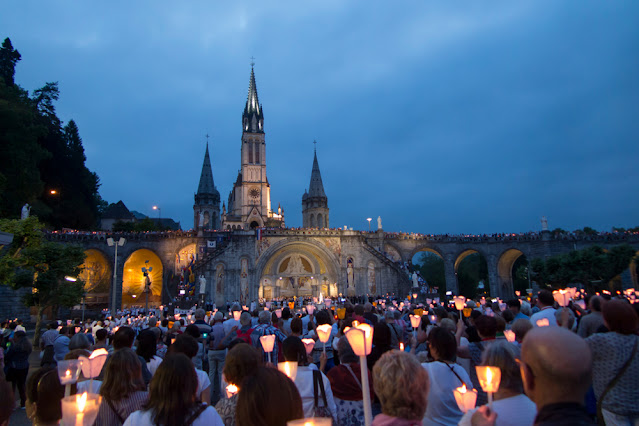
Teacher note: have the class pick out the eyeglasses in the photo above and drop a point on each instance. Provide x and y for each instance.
(523, 366)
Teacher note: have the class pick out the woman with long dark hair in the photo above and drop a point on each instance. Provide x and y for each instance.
(173, 398)
(17, 360)
(123, 390)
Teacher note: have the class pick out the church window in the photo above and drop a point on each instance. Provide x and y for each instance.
(250, 159)
(312, 221)
(257, 153)
(320, 221)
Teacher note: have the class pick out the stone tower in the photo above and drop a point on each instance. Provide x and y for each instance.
(315, 202)
(207, 199)
(249, 203)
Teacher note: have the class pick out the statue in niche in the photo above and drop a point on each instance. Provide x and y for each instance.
(202, 284)
(372, 287)
(379, 223)
(349, 272)
(26, 209)
(244, 290)
(201, 221)
(544, 223)
(295, 265)
(219, 279)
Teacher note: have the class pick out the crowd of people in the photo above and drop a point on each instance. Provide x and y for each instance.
(559, 365)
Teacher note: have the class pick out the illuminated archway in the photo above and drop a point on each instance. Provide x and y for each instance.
(430, 265)
(471, 272)
(96, 274)
(505, 269)
(133, 278)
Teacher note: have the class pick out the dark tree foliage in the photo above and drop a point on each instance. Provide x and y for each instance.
(431, 268)
(470, 271)
(38, 155)
(143, 225)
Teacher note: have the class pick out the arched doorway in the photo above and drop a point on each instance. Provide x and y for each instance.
(133, 279)
(97, 276)
(429, 265)
(512, 269)
(471, 270)
(254, 224)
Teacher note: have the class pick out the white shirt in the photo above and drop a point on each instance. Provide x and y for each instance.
(514, 411)
(304, 383)
(442, 409)
(229, 324)
(206, 418)
(203, 382)
(154, 364)
(547, 312)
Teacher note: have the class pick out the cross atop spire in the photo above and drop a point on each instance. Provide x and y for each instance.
(252, 62)
(253, 118)
(316, 187)
(314, 146)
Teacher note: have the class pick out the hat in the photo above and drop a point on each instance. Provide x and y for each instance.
(218, 316)
(471, 304)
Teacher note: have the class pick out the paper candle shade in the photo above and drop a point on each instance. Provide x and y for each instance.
(80, 410)
(310, 309)
(489, 377)
(467, 312)
(291, 305)
(92, 366)
(510, 335)
(278, 312)
(309, 344)
(311, 421)
(360, 336)
(518, 293)
(460, 302)
(561, 297)
(231, 390)
(572, 292)
(68, 371)
(237, 315)
(466, 399)
(543, 322)
(415, 320)
(341, 313)
(419, 312)
(395, 302)
(289, 368)
(324, 332)
(268, 342)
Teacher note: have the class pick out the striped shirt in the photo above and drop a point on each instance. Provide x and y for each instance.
(124, 407)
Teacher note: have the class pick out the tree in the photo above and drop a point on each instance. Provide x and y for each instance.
(431, 268)
(470, 271)
(43, 266)
(9, 57)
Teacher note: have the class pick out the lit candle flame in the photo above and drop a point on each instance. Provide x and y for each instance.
(462, 389)
(81, 400)
(489, 376)
(68, 374)
(401, 347)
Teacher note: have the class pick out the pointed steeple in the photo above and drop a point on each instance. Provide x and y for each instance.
(316, 188)
(253, 117)
(206, 177)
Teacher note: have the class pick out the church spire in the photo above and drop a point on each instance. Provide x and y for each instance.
(253, 118)
(206, 210)
(206, 185)
(316, 187)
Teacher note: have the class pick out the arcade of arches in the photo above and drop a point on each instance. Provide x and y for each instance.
(96, 274)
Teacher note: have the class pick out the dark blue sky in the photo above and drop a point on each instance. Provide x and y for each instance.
(440, 117)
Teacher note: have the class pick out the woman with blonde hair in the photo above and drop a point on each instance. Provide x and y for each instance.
(396, 377)
(123, 390)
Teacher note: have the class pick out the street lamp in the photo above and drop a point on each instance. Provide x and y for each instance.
(369, 223)
(112, 243)
(159, 211)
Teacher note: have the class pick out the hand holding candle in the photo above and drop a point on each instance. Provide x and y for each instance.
(489, 379)
(324, 333)
(466, 399)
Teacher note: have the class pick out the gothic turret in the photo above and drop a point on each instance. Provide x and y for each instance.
(315, 202)
(253, 117)
(207, 198)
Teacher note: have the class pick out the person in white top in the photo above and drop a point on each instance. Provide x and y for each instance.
(545, 301)
(232, 322)
(511, 405)
(445, 376)
(187, 345)
(176, 372)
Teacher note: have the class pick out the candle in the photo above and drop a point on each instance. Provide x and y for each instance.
(466, 399)
(360, 337)
(543, 322)
(401, 346)
(467, 312)
(324, 333)
(310, 309)
(231, 390)
(489, 378)
(510, 335)
(278, 312)
(433, 319)
(341, 313)
(80, 410)
(237, 315)
(561, 297)
(268, 342)
(311, 421)
(309, 344)
(289, 368)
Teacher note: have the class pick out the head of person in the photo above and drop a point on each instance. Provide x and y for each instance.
(296, 326)
(545, 298)
(323, 317)
(21, 342)
(526, 309)
(520, 327)
(389, 316)
(199, 314)
(448, 325)
(359, 310)
(123, 338)
(193, 331)
(258, 404)
(571, 318)
(441, 313)
(395, 377)
(264, 317)
(167, 405)
(486, 326)
(368, 307)
(286, 313)
(294, 350)
(345, 352)
(218, 317)
(147, 344)
(79, 341)
(556, 366)
(122, 375)
(241, 361)
(620, 317)
(245, 319)
(442, 344)
(101, 335)
(153, 321)
(46, 393)
(503, 354)
(507, 316)
(381, 335)
(185, 344)
(595, 303)
(514, 305)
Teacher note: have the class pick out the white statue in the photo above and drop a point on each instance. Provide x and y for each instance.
(379, 223)
(544, 223)
(26, 209)
(201, 221)
(202, 284)
(415, 282)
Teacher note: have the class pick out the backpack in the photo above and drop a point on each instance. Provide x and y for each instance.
(244, 335)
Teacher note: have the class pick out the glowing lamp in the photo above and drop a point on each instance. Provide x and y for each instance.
(324, 332)
(572, 292)
(278, 312)
(268, 341)
(289, 368)
(419, 312)
(309, 344)
(311, 421)
(510, 335)
(68, 371)
(401, 346)
(92, 366)
(467, 312)
(518, 293)
(360, 337)
(237, 315)
(341, 313)
(415, 320)
(489, 378)
(80, 410)
(310, 309)
(466, 399)
(543, 322)
(291, 305)
(561, 297)
(231, 390)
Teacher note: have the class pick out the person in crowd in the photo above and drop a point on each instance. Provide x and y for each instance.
(101, 335)
(124, 338)
(545, 302)
(79, 341)
(294, 350)
(510, 404)
(286, 321)
(590, 323)
(17, 363)
(146, 348)
(381, 344)
(514, 305)
(232, 322)
(556, 369)
(216, 354)
(200, 323)
(396, 376)
(520, 327)
(45, 393)
(396, 332)
(6, 402)
(566, 315)
(369, 316)
(187, 345)
(265, 328)
(487, 330)
(49, 336)
(61, 344)
(445, 376)
(346, 385)
(616, 364)
(258, 404)
(297, 327)
(242, 361)
(194, 331)
(173, 397)
(123, 390)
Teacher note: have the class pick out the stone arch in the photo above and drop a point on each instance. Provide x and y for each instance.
(133, 278)
(469, 289)
(435, 276)
(428, 248)
(312, 220)
(505, 265)
(393, 252)
(97, 273)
